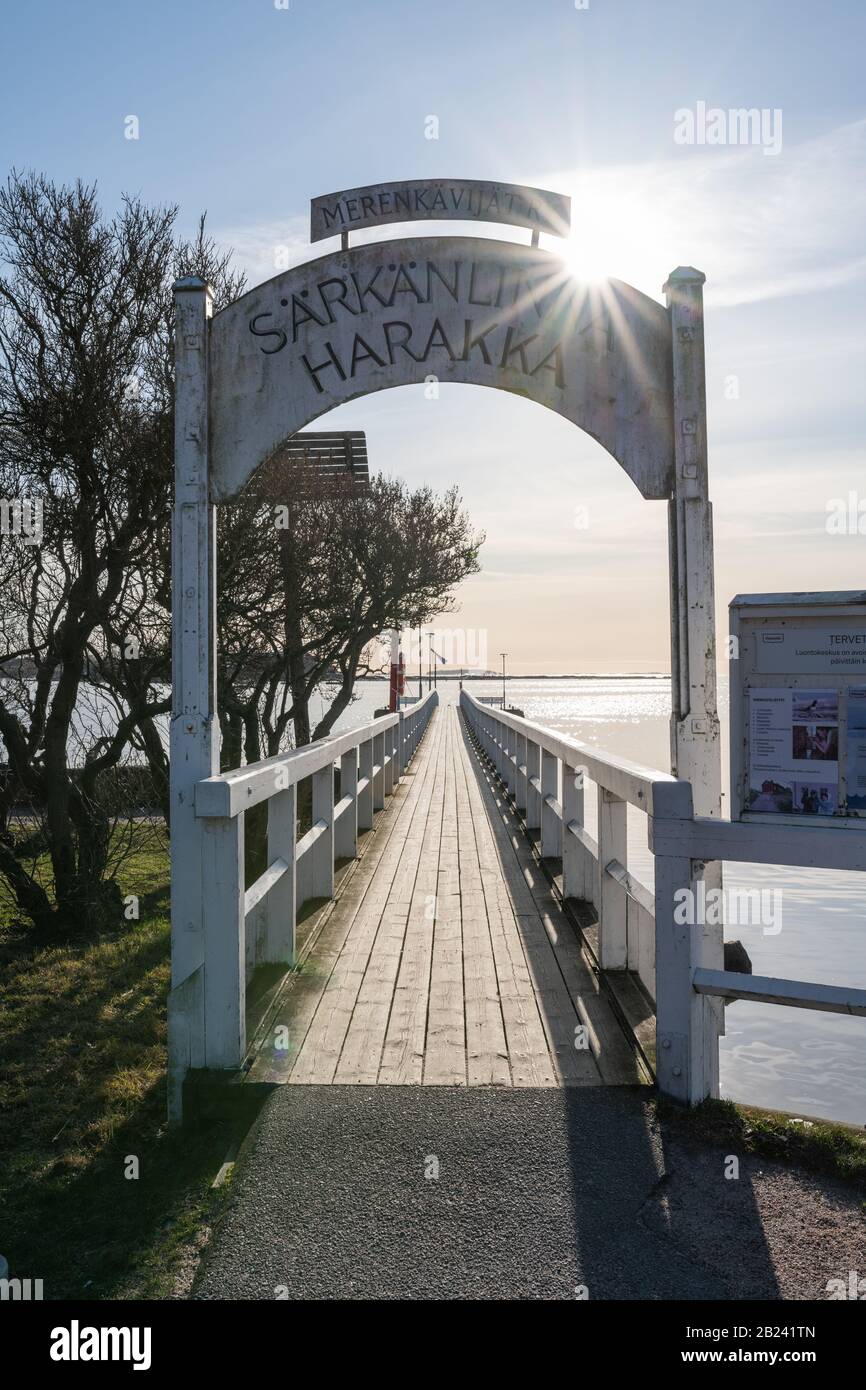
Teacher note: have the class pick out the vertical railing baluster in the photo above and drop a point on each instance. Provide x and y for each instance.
(573, 854)
(388, 761)
(322, 852)
(533, 796)
(520, 772)
(279, 906)
(379, 775)
(551, 825)
(365, 795)
(225, 941)
(612, 900)
(346, 828)
(507, 765)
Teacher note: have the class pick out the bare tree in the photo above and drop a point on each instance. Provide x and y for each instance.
(321, 570)
(85, 439)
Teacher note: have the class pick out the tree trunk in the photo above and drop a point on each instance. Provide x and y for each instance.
(294, 639)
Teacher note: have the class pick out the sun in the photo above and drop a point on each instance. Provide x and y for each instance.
(588, 258)
(618, 234)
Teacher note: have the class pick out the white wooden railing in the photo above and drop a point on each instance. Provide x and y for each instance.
(680, 965)
(247, 927)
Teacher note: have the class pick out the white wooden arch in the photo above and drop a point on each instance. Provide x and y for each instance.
(482, 312)
(623, 367)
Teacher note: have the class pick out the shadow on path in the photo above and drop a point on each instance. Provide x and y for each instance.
(539, 1194)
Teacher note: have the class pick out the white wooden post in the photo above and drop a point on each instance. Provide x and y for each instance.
(695, 735)
(194, 726)
(378, 776)
(322, 852)
(365, 775)
(687, 1029)
(279, 905)
(573, 856)
(533, 796)
(687, 1039)
(551, 825)
(673, 979)
(346, 828)
(225, 941)
(404, 755)
(611, 899)
(706, 1012)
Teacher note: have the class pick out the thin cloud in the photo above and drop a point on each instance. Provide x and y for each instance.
(760, 228)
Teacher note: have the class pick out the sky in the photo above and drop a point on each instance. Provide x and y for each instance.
(247, 109)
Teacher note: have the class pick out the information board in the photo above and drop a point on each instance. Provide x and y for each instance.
(798, 707)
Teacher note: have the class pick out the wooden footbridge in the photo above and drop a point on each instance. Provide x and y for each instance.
(446, 959)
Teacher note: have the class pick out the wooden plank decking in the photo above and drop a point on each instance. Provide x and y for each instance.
(445, 959)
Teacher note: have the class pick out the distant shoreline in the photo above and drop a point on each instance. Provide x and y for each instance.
(558, 676)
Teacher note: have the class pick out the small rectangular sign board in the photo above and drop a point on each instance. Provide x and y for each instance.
(798, 708)
(435, 200)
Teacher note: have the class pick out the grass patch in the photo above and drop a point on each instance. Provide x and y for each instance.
(82, 1094)
(817, 1146)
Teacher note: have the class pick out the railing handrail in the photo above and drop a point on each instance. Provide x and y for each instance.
(747, 842)
(633, 782)
(230, 793)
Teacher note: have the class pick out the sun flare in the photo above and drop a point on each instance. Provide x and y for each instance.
(620, 235)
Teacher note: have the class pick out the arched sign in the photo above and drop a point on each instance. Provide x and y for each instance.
(440, 200)
(624, 368)
(461, 309)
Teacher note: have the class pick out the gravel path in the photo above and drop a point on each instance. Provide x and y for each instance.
(539, 1194)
